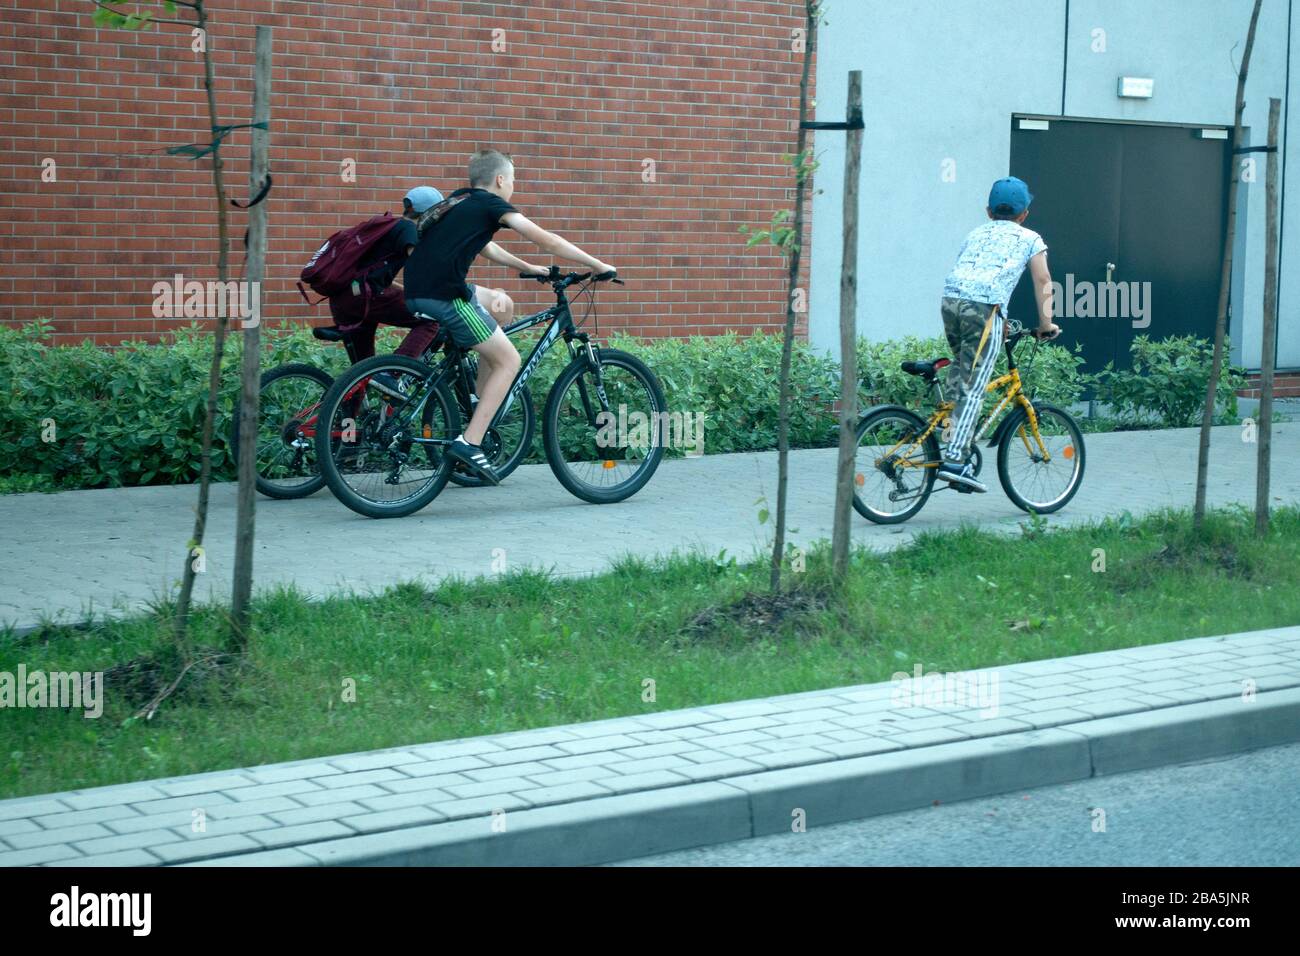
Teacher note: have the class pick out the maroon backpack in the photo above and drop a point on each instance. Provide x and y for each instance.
(341, 264)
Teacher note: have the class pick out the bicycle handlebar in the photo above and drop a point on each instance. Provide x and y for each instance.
(560, 281)
(1016, 331)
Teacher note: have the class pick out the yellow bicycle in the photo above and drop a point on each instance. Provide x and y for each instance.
(1040, 447)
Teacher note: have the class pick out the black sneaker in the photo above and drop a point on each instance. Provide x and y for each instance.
(961, 476)
(472, 457)
(388, 385)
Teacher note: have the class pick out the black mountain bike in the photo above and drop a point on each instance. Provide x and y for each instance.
(289, 409)
(384, 457)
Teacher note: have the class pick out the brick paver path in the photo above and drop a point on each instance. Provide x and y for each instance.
(311, 809)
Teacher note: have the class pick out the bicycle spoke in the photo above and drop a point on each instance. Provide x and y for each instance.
(893, 469)
(283, 454)
(375, 439)
(604, 457)
(607, 432)
(1043, 480)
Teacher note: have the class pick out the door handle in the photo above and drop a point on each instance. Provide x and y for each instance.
(1110, 271)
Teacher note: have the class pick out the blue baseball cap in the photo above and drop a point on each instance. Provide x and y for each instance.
(1010, 192)
(423, 198)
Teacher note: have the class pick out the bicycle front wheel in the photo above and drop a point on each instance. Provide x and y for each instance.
(381, 455)
(1041, 469)
(284, 450)
(893, 467)
(602, 426)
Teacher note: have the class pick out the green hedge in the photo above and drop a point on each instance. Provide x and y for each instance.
(133, 415)
(734, 383)
(1167, 384)
(127, 416)
(1050, 372)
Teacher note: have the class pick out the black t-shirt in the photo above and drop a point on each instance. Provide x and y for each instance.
(441, 260)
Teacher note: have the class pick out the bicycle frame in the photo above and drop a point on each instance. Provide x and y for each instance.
(561, 319)
(309, 416)
(561, 323)
(1011, 384)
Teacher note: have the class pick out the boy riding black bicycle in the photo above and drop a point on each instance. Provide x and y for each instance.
(452, 233)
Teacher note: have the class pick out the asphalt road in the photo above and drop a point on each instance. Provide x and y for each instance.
(1242, 810)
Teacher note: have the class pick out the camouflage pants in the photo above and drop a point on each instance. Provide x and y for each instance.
(974, 331)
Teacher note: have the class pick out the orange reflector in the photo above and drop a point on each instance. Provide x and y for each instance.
(428, 431)
(1068, 452)
(608, 464)
(859, 479)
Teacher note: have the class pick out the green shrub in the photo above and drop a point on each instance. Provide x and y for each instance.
(1167, 384)
(883, 382)
(134, 415)
(734, 383)
(87, 417)
(1050, 372)
(126, 416)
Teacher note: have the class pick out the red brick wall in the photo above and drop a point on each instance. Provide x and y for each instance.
(583, 93)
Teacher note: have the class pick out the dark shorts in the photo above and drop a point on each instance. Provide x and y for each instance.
(465, 320)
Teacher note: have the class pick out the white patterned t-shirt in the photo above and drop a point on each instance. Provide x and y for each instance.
(991, 261)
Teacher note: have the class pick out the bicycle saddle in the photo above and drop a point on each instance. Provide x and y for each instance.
(328, 333)
(926, 370)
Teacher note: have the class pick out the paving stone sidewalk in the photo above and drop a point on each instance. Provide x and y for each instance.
(81, 553)
(348, 808)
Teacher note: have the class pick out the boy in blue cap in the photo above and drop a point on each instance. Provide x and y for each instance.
(360, 315)
(975, 296)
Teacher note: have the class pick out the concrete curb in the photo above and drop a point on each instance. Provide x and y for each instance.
(624, 827)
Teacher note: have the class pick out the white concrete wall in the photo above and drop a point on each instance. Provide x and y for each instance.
(941, 82)
(1288, 333)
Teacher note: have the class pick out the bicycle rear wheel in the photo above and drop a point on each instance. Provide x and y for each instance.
(383, 456)
(893, 472)
(602, 426)
(285, 454)
(1041, 478)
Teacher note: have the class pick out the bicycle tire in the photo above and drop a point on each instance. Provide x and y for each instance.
(439, 401)
(586, 491)
(268, 486)
(1074, 451)
(917, 425)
